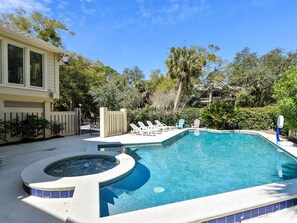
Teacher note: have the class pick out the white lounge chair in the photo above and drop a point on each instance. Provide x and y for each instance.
(153, 131)
(137, 130)
(152, 126)
(160, 124)
(196, 124)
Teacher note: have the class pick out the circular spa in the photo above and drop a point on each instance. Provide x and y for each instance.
(80, 166)
(58, 176)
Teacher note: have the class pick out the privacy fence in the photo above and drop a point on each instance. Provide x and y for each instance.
(112, 122)
(15, 123)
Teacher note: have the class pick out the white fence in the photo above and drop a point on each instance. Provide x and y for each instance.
(67, 119)
(70, 120)
(112, 122)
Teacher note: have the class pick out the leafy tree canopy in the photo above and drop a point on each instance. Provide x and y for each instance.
(256, 75)
(186, 65)
(39, 25)
(286, 95)
(77, 77)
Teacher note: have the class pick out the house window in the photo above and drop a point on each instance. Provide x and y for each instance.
(35, 69)
(15, 64)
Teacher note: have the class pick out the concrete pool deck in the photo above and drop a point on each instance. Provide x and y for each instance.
(17, 206)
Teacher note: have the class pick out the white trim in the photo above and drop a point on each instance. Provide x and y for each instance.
(26, 65)
(1, 62)
(30, 40)
(56, 75)
(44, 71)
(18, 86)
(4, 61)
(10, 42)
(23, 110)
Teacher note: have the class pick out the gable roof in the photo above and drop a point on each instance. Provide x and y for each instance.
(11, 31)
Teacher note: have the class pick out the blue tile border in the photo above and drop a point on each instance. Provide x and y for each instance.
(48, 194)
(238, 217)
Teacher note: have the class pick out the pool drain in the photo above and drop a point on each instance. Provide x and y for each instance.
(159, 189)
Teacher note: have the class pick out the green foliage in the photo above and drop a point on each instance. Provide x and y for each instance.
(184, 64)
(219, 115)
(256, 118)
(56, 128)
(169, 117)
(32, 127)
(189, 115)
(132, 75)
(77, 78)
(286, 95)
(131, 98)
(38, 25)
(107, 95)
(155, 78)
(121, 91)
(257, 75)
(166, 84)
(189, 67)
(4, 129)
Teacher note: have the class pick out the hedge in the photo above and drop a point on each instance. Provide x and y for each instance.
(257, 118)
(262, 118)
(168, 117)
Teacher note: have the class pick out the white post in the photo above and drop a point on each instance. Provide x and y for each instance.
(77, 123)
(104, 124)
(47, 116)
(125, 124)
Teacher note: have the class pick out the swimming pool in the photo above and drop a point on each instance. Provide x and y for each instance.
(196, 166)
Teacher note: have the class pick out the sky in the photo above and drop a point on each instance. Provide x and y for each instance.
(127, 33)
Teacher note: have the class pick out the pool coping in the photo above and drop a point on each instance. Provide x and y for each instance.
(85, 203)
(220, 205)
(36, 181)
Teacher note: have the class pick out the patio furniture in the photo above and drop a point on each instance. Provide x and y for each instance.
(158, 128)
(180, 124)
(196, 124)
(137, 130)
(152, 131)
(160, 124)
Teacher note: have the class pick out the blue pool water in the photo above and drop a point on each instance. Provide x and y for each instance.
(196, 166)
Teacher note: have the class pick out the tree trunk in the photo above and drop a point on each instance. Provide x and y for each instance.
(177, 98)
(210, 97)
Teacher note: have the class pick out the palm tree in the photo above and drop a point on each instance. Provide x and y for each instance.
(184, 63)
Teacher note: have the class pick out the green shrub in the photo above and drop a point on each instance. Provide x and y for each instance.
(4, 129)
(219, 115)
(56, 128)
(168, 117)
(257, 118)
(189, 115)
(33, 126)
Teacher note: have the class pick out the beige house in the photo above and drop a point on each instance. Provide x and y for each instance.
(29, 76)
